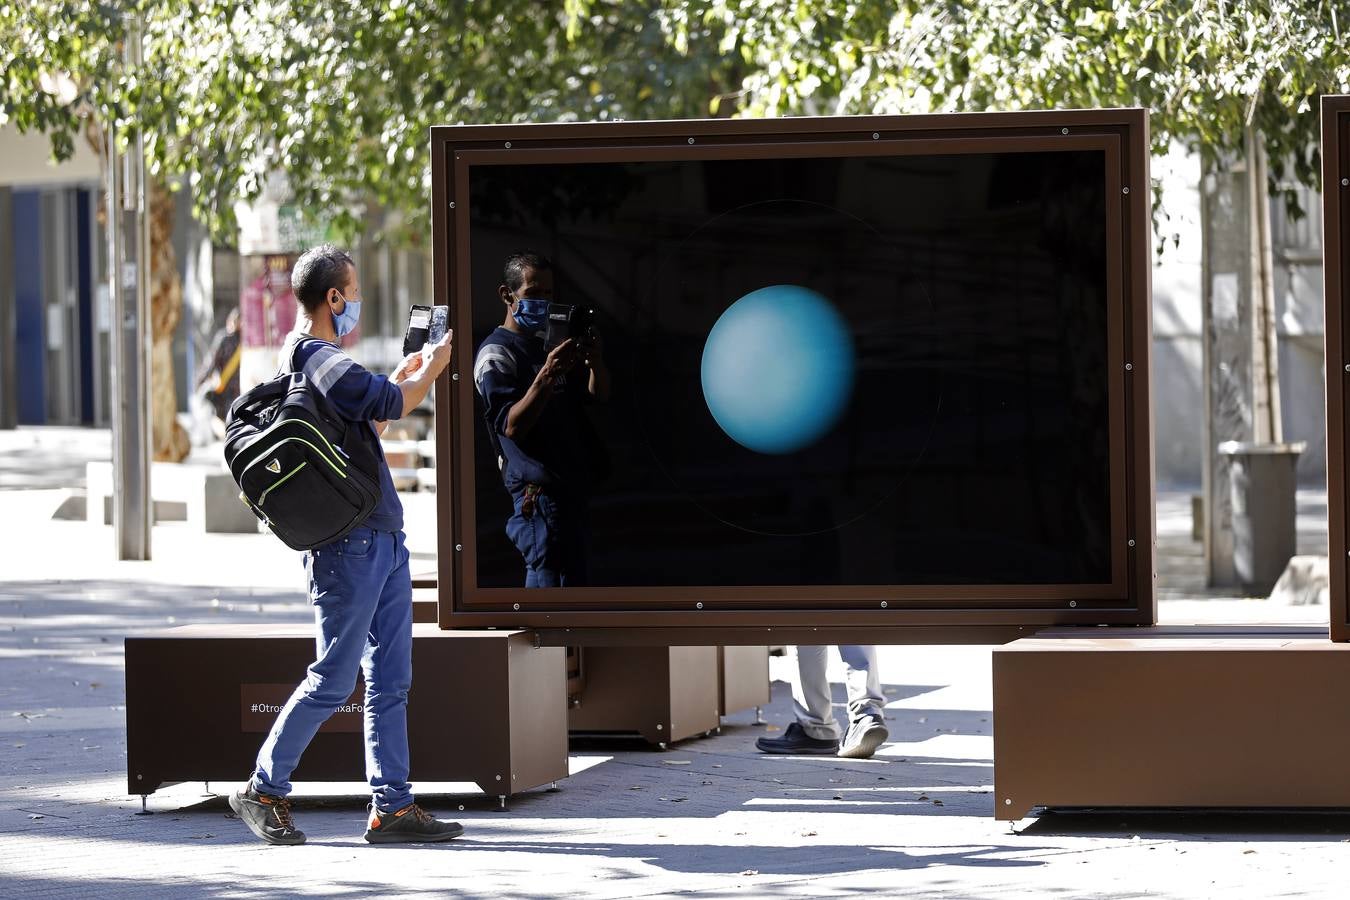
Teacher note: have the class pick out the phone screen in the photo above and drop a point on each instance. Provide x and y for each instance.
(439, 325)
(419, 322)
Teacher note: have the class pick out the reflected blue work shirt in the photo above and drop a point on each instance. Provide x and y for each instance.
(554, 452)
(357, 396)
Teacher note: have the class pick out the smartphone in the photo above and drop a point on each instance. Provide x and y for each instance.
(419, 325)
(426, 325)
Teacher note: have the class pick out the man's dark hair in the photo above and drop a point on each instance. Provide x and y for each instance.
(513, 273)
(316, 272)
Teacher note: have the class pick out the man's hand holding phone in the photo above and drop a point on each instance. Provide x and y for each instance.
(558, 363)
(437, 356)
(409, 366)
(418, 371)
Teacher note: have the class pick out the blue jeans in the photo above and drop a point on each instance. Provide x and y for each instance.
(551, 539)
(362, 597)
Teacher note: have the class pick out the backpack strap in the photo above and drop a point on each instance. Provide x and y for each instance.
(287, 362)
(323, 367)
(267, 392)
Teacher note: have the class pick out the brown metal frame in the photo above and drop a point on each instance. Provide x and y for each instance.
(1335, 262)
(736, 614)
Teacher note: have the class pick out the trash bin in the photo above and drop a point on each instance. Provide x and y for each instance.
(1263, 482)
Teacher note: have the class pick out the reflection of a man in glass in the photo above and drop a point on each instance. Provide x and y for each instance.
(533, 404)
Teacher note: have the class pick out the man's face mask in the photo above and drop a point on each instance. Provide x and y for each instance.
(344, 323)
(531, 314)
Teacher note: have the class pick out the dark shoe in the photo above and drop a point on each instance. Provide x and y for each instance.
(864, 737)
(796, 740)
(410, 825)
(266, 816)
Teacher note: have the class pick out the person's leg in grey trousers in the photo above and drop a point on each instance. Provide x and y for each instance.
(863, 681)
(811, 691)
(811, 694)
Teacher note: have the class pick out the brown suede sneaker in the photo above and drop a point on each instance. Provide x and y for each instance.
(409, 825)
(266, 816)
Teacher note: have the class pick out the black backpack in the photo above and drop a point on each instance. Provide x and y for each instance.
(310, 475)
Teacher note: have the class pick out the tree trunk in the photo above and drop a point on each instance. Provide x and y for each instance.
(1240, 355)
(169, 439)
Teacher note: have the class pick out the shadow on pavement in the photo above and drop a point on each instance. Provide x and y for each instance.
(219, 885)
(807, 859)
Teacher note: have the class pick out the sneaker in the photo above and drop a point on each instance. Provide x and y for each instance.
(864, 737)
(410, 825)
(796, 740)
(266, 816)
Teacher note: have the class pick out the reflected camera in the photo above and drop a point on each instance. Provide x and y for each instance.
(565, 321)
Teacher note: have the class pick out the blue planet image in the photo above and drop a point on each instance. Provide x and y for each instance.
(778, 369)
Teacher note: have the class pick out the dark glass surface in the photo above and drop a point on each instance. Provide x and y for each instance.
(972, 446)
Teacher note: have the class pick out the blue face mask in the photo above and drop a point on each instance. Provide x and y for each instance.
(344, 323)
(532, 315)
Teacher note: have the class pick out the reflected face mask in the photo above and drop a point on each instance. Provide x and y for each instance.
(530, 314)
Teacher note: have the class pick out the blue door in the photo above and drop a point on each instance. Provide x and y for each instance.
(85, 320)
(29, 332)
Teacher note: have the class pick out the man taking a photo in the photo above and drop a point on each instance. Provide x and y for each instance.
(359, 585)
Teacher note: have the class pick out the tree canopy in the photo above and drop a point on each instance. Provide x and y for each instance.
(1206, 69)
(339, 94)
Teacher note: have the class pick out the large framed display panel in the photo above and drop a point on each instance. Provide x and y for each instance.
(866, 372)
(1335, 263)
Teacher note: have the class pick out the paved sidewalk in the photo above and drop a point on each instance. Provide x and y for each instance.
(50, 456)
(709, 818)
(712, 817)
